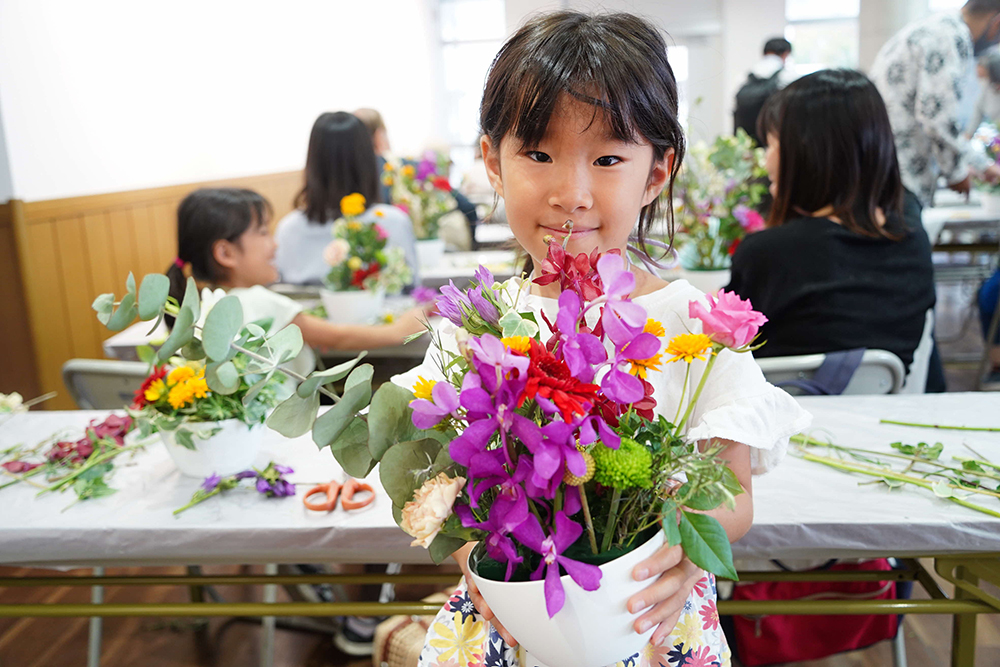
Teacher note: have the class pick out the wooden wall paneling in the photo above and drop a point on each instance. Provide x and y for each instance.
(47, 309)
(145, 239)
(74, 274)
(18, 358)
(163, 218)
(123, 244)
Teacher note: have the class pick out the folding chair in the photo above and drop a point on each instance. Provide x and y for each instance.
(879, 372)
(102, 384)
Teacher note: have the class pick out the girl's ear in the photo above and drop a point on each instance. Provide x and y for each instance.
(491, 157)
(659, 175)
(225, 254)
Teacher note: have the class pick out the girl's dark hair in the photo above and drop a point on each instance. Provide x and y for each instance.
(341, 161)
(835, 149)
(204, 217)
(615, 62)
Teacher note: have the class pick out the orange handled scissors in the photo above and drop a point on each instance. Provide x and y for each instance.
(346, 492)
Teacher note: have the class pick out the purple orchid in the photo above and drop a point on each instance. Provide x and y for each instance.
(566, 532)
(495, 365)
(580, 351)
(428, 414)
(618, 284)
(619, 385)
(498, 545)
(554, 453)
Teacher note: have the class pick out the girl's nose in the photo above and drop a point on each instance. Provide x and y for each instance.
(571, 190)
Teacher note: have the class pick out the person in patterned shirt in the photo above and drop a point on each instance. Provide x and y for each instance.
(920, 73)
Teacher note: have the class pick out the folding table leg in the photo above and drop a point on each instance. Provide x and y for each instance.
(963, 629)
(899, 646)
(268, 622)
(94, 638)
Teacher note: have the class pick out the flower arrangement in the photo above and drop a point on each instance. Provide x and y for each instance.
(175, 395)
(547, 448)
(358, 257)
(716, 195)
(987, 140)
(270, 482)
(421, 188)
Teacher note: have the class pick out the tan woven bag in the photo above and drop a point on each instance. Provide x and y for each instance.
(399, 639)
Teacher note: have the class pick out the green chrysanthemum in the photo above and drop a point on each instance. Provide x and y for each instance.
(628, 466)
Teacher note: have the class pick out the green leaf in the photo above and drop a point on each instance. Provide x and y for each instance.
(104, 305)
(892, 483)
(193, 349)
(389, 419)
(285, 344)
(192, 300)
(513, 324)
(294, 416)
(706, 544)
(942, 490)
(255, 389)
(184, 439)
(444, 546)
(405, 467)
(338, 372)
(180, 335)
(731, 482)
(397, 514)
(130, 284)
(357, 393)
(221, 327)
(146, 354)
(670, 528)
(703, 500)
(222, 378)
(153, 295)
(124, 315)
(255, 330)
(351, 449)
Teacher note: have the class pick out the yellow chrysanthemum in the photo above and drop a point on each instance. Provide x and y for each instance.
(655, 328)
(155, 391)
(423, 387)
(353, 204)
(388, 167)
(408, 170)
(519, 344)
(688, 347)
(180, 374)
(465, 643)
(354, 226)
(180, 395)
(198, 385)
(642, 366)
(354, 263)
(379, 213)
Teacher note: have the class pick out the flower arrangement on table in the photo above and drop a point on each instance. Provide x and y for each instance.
(987, 139)
(358, 257)
(421, 188)
(176, 395)
(716, 195)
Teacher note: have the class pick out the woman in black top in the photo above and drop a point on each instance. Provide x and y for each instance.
(844, 261)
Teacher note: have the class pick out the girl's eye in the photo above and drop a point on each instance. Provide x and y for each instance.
(538, 156)
(607, 161)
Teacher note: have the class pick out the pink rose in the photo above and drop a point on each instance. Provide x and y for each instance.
(380, 232)
(749, 219)
(336, 252)
(730, 321)
(430, 508)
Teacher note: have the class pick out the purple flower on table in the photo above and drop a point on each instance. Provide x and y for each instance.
(211, 482)
(246, 474)
(422, 294)
(264, 486)
(551, 547)
(428, 414)
(283, 470)
(450, 303)
(581, 351)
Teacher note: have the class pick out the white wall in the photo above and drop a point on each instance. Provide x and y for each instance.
(111, 95)
(6, 187)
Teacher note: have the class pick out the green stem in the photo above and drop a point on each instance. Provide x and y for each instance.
(290, 373)
(93, 461)
(588, 521)
(684, 387)
(942, 426)
(609, 529)
(697, 392)
(214, 492)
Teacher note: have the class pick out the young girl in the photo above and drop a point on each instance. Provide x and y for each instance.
(224, 241)
(579, 117)
(341, 160)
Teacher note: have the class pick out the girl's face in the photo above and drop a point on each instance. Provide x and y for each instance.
(771, 163)
(250, 260)
(578, 172)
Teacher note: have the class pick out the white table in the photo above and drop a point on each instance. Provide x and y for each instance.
(957, 219)
(461, 266)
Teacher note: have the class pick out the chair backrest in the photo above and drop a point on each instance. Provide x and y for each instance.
(102, 384)
(916, 379)
(880, 372)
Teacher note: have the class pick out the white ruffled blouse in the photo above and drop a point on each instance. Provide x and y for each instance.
(736, 404)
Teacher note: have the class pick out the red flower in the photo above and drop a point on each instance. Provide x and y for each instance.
(550, 379)
(578, 274)
(75, 452)
(18, 467)
(442, 183)
(609, 410)
(358, 278)
(159, 372)
(114, 428)
(732, 247)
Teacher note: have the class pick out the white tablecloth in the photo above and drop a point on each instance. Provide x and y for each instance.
(802, 509)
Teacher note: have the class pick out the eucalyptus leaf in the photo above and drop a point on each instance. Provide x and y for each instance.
(294, 416)
(222, 325)
(104, 305)
(338, 372)
(357, 393)
(705, 542)
(130, 284)
(192, 300)
(159, 318)
(444, 546)
(286, 344)
(255, 389)
(405, 467)
(153, 295)
(181, 335)
(123, 316)
(389, 420)
(670, 527)
(351, 449)
(193, 349)
(222, 378)
(255, 330)
(146, 354)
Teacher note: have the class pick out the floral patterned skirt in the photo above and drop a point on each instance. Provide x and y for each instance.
(459, 637)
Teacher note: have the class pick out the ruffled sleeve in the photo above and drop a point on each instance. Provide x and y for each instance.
(430, 367)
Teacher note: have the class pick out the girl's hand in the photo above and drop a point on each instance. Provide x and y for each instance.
(664, 598)
(462, 556)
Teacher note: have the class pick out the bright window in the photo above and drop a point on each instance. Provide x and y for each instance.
(823, 34)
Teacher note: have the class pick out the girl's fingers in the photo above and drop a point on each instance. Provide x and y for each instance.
(662, 560)
(666, 597)
(664, 586)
